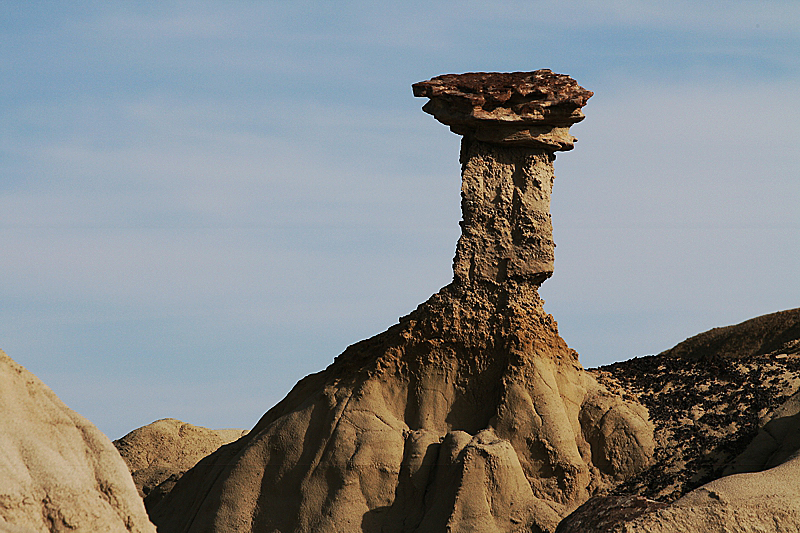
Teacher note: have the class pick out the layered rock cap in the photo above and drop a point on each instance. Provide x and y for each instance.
(525, 108)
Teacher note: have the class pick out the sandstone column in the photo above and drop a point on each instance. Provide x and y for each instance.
(512, 124)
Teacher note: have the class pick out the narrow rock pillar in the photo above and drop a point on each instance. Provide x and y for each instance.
(512, 124)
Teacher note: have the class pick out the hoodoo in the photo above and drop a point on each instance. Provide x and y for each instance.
(470, 414)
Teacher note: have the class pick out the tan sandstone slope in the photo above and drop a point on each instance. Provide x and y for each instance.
(58, 472)
(471, 413)
(159, 453)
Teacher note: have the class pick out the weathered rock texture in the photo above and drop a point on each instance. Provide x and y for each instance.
(57, 471)
(709, 397)
(471, 413)
(726, 406)
(159, 453)
(512, 124)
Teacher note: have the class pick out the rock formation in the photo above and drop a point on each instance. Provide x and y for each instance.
(57, 471)
(726, 408)
(471, 413)
(159, 453)
(709, 397)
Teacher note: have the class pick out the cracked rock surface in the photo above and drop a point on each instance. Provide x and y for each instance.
(470, 414)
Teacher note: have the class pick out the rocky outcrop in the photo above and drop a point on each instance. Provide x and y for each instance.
(726, 407)
(471, 413)
(713, 396)
(159, 453)
(57, 471)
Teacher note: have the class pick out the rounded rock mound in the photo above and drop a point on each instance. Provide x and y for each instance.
(775, 333)
(57, 471)
(159, 453)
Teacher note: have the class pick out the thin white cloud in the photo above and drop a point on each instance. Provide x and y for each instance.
(181, 181)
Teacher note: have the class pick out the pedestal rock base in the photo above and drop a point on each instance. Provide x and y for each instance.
(471, 414)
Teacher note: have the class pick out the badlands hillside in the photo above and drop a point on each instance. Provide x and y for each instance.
(471, 414)
(725, 406)
(726, 410)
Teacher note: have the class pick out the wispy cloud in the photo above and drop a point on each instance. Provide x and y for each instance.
(196, 183)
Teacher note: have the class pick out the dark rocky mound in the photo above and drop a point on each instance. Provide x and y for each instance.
(708, 397)
(726, 408)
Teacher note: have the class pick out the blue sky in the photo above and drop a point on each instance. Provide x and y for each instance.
(202, 202)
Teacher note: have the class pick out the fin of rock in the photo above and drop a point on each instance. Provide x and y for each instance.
(471, 413)
(57, 471)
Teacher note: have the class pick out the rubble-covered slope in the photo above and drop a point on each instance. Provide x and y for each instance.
(726, 408)
(708, 397)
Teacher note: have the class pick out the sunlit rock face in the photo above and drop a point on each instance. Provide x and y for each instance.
(471, 413)
(58, 472)
(159, 453)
